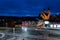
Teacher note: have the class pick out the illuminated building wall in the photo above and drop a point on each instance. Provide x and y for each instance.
(44, 16)
(55, 25)
(29, 23)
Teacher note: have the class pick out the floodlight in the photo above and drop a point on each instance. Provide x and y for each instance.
(54, 25)
(46, 22)
(51, 25)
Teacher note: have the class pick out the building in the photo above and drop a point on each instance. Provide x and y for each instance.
(45, 14)
(11, 21)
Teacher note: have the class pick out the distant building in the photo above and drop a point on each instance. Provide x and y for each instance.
(11, 21)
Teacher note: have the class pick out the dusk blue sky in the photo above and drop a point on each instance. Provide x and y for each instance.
(28, 7)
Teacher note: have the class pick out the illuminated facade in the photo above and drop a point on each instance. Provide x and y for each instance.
(45, 15)
(28, 24)
(55, 26)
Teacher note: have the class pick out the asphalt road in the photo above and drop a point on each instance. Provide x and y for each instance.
(30, 34)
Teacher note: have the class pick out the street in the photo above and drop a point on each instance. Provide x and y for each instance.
(28, 34)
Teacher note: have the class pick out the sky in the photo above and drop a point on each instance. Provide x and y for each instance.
(28, 7)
